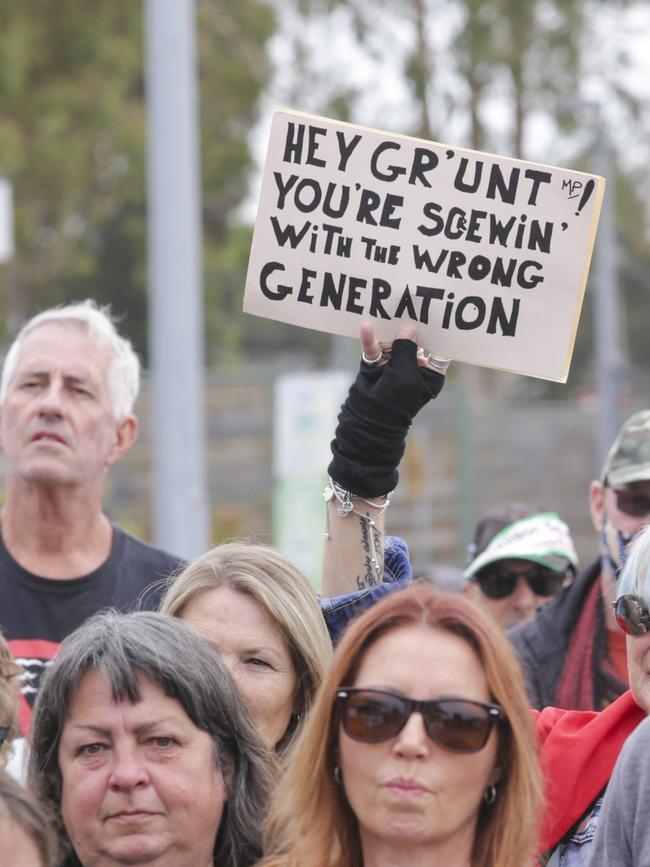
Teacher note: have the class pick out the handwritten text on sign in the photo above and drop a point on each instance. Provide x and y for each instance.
(487, 255)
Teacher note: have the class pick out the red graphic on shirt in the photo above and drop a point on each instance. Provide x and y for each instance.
(34, 655)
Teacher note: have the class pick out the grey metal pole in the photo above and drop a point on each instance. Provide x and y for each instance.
(609, 355)
(176, 316)
(6, 221)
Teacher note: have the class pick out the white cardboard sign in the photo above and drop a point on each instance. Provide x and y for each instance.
(487, 255)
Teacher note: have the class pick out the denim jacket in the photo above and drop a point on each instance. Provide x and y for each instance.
(338, 611)
(576, 852)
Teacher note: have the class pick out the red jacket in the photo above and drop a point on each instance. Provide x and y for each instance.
(578, 750)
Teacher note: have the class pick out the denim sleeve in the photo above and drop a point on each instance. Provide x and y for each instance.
(338, 611)
(623, 832)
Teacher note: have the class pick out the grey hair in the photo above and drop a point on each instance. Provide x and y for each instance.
(124, 647)
(123, 374)
(635, 574)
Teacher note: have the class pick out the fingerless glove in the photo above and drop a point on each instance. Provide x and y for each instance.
(375, 419)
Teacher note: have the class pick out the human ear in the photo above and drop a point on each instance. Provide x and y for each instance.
(126, 433)
(495, 775)
(597, 505)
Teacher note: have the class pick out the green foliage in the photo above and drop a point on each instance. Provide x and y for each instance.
(234, 70)
(72, 134)
(236, 337)
(528, 59)
(72, 141)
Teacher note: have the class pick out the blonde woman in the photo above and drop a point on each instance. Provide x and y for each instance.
(261, 615)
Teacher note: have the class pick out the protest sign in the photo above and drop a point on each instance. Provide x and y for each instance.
(487, 255)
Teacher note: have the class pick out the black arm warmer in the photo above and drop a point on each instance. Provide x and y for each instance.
(374, 420)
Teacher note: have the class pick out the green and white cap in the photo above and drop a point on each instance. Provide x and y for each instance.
(543, 538)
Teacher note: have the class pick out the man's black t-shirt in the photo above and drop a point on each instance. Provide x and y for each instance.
(37, 613)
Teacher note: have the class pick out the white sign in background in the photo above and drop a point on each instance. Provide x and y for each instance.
(304, 419)
(487, 255)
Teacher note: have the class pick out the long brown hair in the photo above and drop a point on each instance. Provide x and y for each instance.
(310, 822)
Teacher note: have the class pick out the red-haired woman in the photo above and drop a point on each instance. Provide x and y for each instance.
(578, 749)
(419, 750)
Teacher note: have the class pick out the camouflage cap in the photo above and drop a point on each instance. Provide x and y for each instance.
(629, 457)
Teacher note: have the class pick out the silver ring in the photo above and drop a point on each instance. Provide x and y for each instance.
(373, 362)
(437, 363)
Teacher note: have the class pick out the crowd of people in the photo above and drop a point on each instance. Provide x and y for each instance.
(219, 713)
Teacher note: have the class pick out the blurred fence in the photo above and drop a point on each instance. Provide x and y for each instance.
(461, 460)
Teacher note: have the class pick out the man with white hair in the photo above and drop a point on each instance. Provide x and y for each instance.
(67, 391)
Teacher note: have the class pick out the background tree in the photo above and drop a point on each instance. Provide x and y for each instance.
(516, 77)
(489, 74)
(72, 141)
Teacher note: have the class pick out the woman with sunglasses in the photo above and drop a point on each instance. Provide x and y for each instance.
(623, 835)
(619, 819)
(578, 749)
(520, 557)
(419, 749)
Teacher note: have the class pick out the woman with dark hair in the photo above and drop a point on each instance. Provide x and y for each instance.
(419, 750)
(142, 750)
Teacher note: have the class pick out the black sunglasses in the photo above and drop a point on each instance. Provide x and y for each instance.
(4, 730)
(632, 614)
(631, 502)
(458, 725)
(497, 581)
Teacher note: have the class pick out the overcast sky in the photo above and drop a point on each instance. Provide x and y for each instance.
(387, 104)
